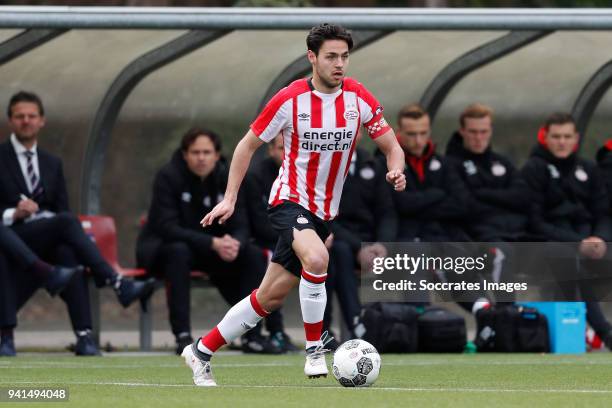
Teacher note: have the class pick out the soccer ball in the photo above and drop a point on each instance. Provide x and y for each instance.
(356, 364)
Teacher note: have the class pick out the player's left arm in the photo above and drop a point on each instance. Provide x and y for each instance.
(379, 130)
(387, 143)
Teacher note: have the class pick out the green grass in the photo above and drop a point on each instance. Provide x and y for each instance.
(417, 380)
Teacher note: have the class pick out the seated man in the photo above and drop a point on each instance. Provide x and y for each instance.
(173, 243)
(570, 205)
(366, 214)
(434, 204)
(497, 191)
(497, 210)
(258, 184)
(433, 207)
(34, 204)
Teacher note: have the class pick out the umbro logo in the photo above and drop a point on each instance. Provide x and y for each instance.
(303, 116)
(246, 326)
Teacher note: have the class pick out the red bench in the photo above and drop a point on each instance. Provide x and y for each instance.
(102, 230)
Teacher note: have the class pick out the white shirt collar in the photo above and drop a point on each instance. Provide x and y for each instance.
(19, 148)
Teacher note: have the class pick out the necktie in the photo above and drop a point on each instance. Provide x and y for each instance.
(32, 176)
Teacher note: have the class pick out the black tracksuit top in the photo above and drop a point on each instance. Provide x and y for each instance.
(435, 201)
(498, 193)
(569, 197)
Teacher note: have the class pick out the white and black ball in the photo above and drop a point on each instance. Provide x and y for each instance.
(356, 364)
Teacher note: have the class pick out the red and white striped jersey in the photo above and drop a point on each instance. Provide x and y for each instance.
(319, 132)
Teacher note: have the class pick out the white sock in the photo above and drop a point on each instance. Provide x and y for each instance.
(241, 318)
(313, 298)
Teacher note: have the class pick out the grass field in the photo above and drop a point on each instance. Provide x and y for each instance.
(416, 380)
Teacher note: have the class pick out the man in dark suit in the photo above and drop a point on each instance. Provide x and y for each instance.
(34, 272)
(34, 204)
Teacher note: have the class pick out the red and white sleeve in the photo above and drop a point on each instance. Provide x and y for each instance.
(372, 114)
(273, 118)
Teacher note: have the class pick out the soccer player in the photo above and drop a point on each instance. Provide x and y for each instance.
(319, 119)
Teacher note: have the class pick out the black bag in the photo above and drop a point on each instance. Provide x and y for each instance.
(532, 331)
(511, 328)
(391, 327)
(441, 331)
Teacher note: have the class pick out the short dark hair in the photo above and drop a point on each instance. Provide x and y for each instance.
(475, 111)
(559, 118)
(25, 96)
(412, 111)
(192, 134)
(326, 31)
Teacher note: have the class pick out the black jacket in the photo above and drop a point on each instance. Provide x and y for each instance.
(604, 161)
(366, 211)
(258, 183)
(13, 184)
(180, 200)
(498, 193)
(435, 201)
(569, 197)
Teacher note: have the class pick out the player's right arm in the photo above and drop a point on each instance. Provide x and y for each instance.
(238, 168)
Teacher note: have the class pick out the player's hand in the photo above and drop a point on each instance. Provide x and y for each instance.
(397, 179)
(592, 248)
(222, 211)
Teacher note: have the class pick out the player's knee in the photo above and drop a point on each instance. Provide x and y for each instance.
(316, 262)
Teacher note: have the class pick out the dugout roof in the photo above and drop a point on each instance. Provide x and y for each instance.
(119, 99)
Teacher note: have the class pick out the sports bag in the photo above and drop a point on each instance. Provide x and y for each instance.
(441, 331)
(511, 328)
(391, 327)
